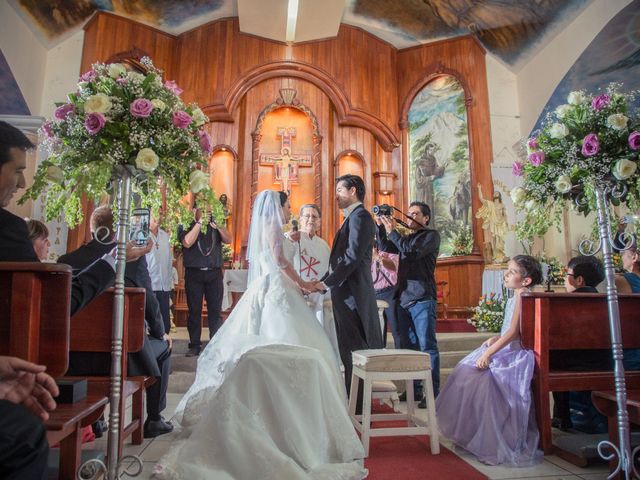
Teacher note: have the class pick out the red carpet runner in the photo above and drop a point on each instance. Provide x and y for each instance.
(409, 458)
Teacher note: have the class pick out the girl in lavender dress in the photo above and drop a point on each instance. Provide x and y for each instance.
(486, 406)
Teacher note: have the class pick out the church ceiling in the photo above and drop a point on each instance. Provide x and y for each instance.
(509, 29)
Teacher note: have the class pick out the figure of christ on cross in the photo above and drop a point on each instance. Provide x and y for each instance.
(286, 165)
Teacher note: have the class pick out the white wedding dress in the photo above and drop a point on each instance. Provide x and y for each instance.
(268, 401)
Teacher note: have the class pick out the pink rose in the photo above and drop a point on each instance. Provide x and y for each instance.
(517, 169)
(634, 141)
(536, 158)
(601, 101)
(122, 81)
(532, 143)
(590, 145)
(141, 108)
(63, 111)
(47, 130)
(94, 123)
(205, 141)
(181, 119)
(172, 87)
(88, 76)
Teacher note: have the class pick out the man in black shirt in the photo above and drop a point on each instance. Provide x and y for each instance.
(202, 258)
(416, 284)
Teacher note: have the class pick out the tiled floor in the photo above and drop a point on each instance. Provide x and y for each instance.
(552, 468)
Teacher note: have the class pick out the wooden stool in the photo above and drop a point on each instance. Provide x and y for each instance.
(383, 364)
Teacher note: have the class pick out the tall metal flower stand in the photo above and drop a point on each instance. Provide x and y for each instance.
(116, 467)
(604, 192)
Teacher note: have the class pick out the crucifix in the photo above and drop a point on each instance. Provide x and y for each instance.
(286, 165)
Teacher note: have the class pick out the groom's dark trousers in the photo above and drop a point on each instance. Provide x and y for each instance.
(352, 294)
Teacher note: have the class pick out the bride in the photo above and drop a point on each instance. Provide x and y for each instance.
(268, 401)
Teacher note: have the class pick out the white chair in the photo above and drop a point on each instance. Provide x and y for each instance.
(382, 390)
(386, 365)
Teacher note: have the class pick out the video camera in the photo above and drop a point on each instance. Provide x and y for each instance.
(383, 210)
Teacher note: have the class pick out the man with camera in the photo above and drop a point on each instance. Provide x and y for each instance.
(416, 313)
(202, 258)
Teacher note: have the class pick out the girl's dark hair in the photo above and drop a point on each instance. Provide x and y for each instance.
(283, 198)
(529, 267)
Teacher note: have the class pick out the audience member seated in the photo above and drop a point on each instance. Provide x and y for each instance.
(26, 393)
(629, 282)
(154, 358)
(583, 274)
(15, 245)
(39, 236)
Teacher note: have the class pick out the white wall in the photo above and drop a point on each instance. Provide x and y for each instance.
(61, 72)
(25, 55)
(539, 77)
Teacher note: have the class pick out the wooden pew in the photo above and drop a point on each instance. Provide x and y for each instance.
(91, 332)
(35, 300)
(570, 321)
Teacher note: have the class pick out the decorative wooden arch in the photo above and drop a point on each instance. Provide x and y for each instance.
(131, 57)
(287, 99)
(347, 115)
(433, 71)
(349, 153)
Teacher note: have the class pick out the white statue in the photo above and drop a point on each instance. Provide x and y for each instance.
(494, 221)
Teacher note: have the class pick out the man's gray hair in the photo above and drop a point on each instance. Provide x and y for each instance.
(311, 205)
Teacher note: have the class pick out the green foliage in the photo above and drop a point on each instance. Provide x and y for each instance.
(462, 242)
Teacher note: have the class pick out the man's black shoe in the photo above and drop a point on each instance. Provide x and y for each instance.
(153, 428)
(99, 427)
(416, 397)
(193, 352)
(423, 403)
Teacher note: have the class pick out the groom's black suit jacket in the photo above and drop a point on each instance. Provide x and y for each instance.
(352, 294)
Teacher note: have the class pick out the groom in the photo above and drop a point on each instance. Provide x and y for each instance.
(350, 281)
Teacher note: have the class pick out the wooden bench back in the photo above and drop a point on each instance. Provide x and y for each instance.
(91, 327)
(35, 301)
(569, 321)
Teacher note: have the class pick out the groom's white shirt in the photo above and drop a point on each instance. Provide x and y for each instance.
(347, 211)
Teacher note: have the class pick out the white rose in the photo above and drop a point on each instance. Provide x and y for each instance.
(198, 181)
(135, 77)
(518, 195)
(54, 174)
(98, 103)
(199, 118)
(563, 184)
(116, 69)
(530, 204)
(147, 160)
(562, 110)
(576, 98)
(158, 104)
(624, 168)
(617, 121)
(558, 130)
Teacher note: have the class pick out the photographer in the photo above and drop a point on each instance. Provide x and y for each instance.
(202, 258)
(416, 293)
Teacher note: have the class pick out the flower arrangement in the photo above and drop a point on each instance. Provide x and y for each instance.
(592, 140)
(462, 242)
(119, 119)
(553, 269)
(489, 314)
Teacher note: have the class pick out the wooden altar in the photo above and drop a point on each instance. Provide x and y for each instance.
(300, 115)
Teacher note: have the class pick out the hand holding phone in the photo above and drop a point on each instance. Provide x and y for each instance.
(139, 230)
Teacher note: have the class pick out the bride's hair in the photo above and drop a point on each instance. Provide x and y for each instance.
(265, 233)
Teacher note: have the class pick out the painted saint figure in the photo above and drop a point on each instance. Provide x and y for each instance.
(426, 172)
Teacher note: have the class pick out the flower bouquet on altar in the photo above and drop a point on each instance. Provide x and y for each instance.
(489, 314)
(116, 120)
(591, 142)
